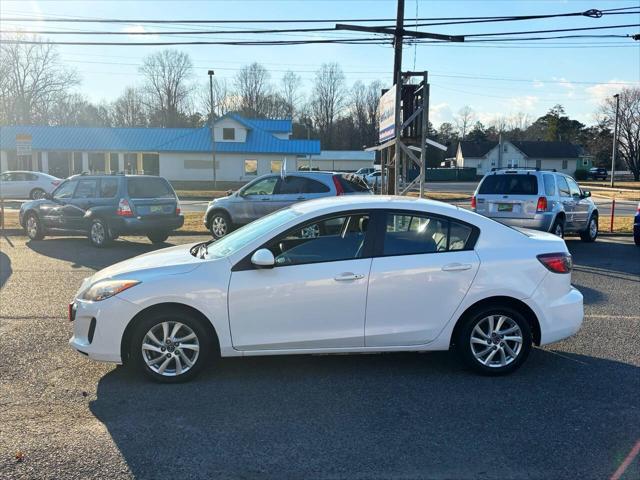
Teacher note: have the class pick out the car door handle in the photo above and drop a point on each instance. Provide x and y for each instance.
(344, 277)
(456, 267)
(300, 198)
(265, 199)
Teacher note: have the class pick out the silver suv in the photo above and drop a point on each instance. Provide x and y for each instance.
(542, 200)
(269, 193)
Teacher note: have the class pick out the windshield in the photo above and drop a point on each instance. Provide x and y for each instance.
(234, 241)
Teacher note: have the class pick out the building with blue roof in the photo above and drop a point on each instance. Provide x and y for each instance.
(244, 148)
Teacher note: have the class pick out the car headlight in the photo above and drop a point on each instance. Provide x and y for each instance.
(107, 288)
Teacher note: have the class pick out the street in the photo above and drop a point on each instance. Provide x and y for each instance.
(573, 411)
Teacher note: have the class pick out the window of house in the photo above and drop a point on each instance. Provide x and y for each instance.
(228, 133)
(251, 167)
(585, 162)
(565, 164)
(276, 166)
(505, 148)
(538, 164)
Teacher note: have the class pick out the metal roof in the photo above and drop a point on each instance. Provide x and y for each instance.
(106, 139)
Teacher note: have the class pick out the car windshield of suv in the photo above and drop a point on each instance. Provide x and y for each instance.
(509, 184)
(238, 239)
(152, 187)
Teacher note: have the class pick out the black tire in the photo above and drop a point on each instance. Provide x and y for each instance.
(100, 233)
(589, 235)
(219, 225)
(479, 318)
(37, 193)
(33, 227)
(558, 227)
(140, 359)
(158, 237)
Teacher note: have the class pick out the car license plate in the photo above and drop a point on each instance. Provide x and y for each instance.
(156, 209)
(505, 207)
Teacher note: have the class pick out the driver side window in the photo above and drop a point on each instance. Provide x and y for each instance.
(328, 240)
(573, 188)
(266, 186)
(65, 190)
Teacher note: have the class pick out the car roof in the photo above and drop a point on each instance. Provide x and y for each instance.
(372, 201)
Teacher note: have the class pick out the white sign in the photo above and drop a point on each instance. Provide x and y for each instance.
(23, 145)
(387, 112)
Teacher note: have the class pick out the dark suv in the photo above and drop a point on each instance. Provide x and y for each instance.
(104, 207)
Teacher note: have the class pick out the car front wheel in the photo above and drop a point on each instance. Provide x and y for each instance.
(99, 233)
(220, 225)
(33, 226)
(170, 347)
(591, 233)
(495, 341)
(558, 228)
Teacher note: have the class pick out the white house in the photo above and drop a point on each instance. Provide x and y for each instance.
(244, 148)
(340, 160)
(561, 156)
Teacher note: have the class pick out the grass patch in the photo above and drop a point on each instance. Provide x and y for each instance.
(444, 196)
(633, 196)
(200, 194)
(618, 184)
(193, 222)
(620, 224)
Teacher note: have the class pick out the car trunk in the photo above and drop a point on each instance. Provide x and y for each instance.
(152, 197)
(508, 196)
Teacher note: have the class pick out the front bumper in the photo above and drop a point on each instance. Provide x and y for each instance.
(540, 221)
(98, 327)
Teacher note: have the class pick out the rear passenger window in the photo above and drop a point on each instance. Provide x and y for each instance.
(86, 189)
(295, 185)
(152, 187)
(419, 234)
(108, 187)
(549, 185)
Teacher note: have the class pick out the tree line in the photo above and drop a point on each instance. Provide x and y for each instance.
(36, 88)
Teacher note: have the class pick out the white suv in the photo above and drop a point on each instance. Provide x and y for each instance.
(542, 200)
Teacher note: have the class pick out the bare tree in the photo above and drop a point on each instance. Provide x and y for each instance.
(628, 126)
(464, 119)
(328, 99)
(291, 95)
(31, 79)
(223, 98)
(128, 110)
(252, 89)
(166, 74)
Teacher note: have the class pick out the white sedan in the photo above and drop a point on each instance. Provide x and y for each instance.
(32, 185)
(335, 275)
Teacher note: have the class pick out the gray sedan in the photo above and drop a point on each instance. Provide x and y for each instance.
(269, 193)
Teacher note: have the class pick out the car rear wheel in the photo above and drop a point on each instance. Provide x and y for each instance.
(591, 233)
(33, 227)
(558, 228)
(220, 225)
(494, 341)
(37, 193)
(99, 233)
(158, 237)
(170, 347)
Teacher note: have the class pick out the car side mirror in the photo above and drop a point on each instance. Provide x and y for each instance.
(263, 258)
(586, 194)
(229, 193)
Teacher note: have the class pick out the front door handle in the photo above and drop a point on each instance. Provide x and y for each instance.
(265, 199)
(456, 267)
(343, 277)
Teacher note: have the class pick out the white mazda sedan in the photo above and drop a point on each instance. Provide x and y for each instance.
(346, 274)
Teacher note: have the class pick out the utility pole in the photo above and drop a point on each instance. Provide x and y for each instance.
(213, 134)
(308, 125)
(397, 42)
(615, 139)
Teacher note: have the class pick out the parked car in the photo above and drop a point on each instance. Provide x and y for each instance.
(425, 275)
(597, 173)
(32, 185)
(542, 200)
(363, 172)
(269, 193)
(105, 207)
(636, 227)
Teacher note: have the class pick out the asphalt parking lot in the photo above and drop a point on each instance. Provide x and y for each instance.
(572, 411)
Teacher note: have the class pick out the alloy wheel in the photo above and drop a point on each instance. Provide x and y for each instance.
(558, 230)
(32, 227)
(496, 341)
(97, 233)
(170, 348)
(219, 226)
(593, 228)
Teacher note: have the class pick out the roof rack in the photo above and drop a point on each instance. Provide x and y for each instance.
(495, 169)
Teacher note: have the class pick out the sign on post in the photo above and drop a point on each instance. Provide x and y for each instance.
(23, 145)
(387, 111)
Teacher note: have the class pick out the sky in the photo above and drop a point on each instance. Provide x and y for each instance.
(495, 80)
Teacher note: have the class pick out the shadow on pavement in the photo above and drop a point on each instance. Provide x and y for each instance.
(606, 258)
(377, 416)
(5, 268)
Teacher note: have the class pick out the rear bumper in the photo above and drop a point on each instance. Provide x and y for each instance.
(559, 318)
(540, 221)
(144, 225)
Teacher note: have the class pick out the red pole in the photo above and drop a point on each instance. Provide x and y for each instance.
(613, 211)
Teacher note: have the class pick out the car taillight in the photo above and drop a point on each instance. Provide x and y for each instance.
(124, 209)
(473, 202)
(557, 262)
(336, 182)
(178, 210)
(542, 204)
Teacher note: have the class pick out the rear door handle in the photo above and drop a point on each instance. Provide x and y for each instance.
(300, 198)
(265, 199)
(343, 277)
(456, 267)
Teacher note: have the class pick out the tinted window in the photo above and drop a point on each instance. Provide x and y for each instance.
(352, 183)
(573, 187)
(86, 189)
(563, 187)
(152, 187)
(509, 184)
(262, 187)
(65, 190)
(108, 187)
(294, 185)
(549, 185)
(328, 240)
(31, 177)
(418, 234)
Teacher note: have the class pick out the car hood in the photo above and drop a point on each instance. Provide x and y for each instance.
(167, 261)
